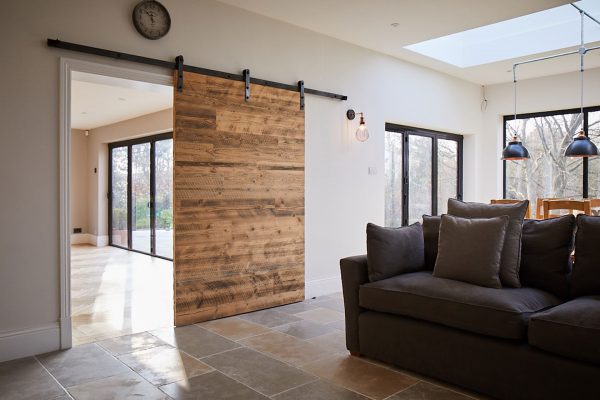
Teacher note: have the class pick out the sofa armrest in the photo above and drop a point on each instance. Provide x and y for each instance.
(354, 273)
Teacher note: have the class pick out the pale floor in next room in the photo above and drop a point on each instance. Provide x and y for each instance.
(290, 352)
(115, 292)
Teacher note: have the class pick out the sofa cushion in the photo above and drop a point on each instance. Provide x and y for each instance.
(511, 253)
(571, 329)
(459, 259)
(431, 234)
(546, 254)
(585, 280)
(501, 313)
(393, 251)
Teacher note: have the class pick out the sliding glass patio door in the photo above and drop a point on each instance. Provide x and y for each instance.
(423, 169)
(140, 195)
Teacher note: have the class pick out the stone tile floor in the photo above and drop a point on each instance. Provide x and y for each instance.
(293, 352)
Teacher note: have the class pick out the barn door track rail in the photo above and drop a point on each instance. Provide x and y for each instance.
(180, 67)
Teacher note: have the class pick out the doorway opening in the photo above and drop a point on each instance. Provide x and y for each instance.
(120, 206)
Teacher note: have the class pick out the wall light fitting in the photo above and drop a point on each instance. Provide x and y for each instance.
(362, 133)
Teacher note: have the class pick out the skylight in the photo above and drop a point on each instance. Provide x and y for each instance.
(549, 30)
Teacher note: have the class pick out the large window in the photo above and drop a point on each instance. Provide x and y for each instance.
(548, 173)
(141, 195)
(423, 169)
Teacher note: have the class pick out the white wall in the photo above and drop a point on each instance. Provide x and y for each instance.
(543, 94)
(340, 195)
(146, 125)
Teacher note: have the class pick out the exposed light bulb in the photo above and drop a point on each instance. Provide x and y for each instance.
(362, 133)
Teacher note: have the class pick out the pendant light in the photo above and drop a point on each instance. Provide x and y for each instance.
(515, 150)
(581, 146)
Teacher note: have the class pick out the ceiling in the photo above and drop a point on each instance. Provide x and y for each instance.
(369, 24)
(98, 100)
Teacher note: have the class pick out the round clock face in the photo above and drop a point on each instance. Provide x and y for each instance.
(151, 19)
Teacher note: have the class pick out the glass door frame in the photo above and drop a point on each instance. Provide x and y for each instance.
(407, 131)
(129, 143)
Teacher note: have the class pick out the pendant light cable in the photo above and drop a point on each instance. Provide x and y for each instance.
(582, 52)
(515, 92)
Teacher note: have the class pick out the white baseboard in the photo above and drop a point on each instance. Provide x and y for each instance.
(101, 240)
(80, 238)
(88, 238)
(322, 287)
(28, 342)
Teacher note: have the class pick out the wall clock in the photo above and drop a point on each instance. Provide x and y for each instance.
(151, 19)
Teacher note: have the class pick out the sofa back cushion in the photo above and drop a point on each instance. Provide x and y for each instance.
(431, 234)
(470, 250)
(546, 254)
(394, 251)
(511, 253)
(585, 280)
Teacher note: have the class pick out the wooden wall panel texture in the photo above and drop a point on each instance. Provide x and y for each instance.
(238, 199)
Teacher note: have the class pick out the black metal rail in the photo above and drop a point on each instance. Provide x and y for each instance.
(189, 68)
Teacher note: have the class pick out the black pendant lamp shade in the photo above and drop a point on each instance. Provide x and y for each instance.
(515, 150)
(581, 146)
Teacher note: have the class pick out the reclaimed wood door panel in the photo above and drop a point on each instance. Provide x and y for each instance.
(238, 192)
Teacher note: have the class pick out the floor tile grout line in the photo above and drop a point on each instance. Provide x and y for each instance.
(328, 382)
(240, 339)
(208, 372)
(53, 377)
(409, 373)
(164, 345)
(402, 390)
(127, 366)
(295, 387)
(273, 330)
(137, 350)
(242, 346)
(218, 370)
(298, 367)
(386, 366)
(449, 389)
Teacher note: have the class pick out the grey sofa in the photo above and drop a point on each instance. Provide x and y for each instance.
(510, 343)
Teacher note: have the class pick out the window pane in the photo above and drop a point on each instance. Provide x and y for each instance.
(419, 177)
(140, 196)
(119, 196)
(447, 173)
(164, 197)
(594, 162)
(393, 179)
(548, 173)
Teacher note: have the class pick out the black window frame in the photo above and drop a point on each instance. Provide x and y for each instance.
(406, 132)
(129, 143)
(585, 168)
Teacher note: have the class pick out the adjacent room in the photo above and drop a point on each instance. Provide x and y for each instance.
(121, 206)
(294, 200)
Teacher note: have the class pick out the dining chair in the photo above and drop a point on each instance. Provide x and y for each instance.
(595, 204)
(539, 207)
(584, 206)
(512, 201)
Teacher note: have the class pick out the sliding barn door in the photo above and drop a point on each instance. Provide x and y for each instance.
(238, 198)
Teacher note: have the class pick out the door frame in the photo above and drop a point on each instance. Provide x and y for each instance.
(67, 67)
(407, 131)
(128, 143)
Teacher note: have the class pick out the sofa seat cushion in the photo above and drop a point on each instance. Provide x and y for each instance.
(502, 313)
(571, 329)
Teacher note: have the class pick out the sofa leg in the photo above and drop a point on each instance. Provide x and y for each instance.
(355, 354)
